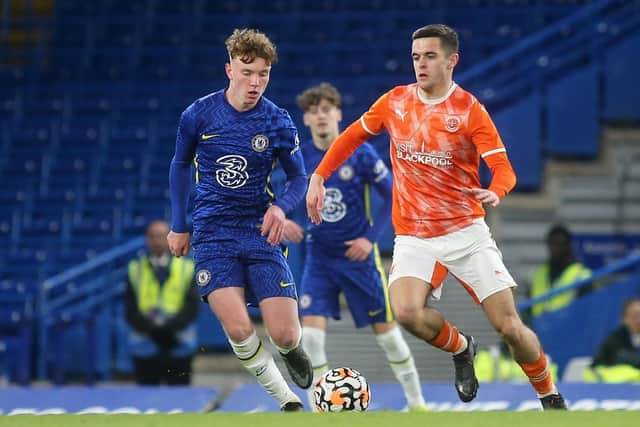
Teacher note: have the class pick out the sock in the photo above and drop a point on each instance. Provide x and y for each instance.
(402, 365)
(314, 345)
(259, 362)
(539, 376)
(449, 339)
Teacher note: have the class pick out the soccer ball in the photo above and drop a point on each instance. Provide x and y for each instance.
(341, 389)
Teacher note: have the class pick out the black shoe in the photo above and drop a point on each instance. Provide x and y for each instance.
(553, 401)
(466, 381)
(292, 407)
(299, 367)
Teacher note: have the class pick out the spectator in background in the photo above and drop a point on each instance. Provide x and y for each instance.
(618, 357)
(162, 306)
(560, 270)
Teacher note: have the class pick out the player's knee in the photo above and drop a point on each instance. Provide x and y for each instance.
(510, 329)
(285, 336)
(239, 332)
(405, 313)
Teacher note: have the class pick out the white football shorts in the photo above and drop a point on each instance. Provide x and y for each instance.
(470, 255)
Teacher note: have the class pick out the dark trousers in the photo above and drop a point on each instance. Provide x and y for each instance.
(162, 370)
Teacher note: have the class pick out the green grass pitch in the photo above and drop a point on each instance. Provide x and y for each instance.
(368, 419)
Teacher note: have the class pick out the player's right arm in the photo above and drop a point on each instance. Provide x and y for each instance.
(180, 183)
(370, 124)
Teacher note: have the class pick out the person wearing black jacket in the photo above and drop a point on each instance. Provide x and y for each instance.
(622, 346)
(161, 308)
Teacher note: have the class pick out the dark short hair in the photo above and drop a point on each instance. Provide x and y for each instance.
(447, 35)
(559, 230)
(315, 94)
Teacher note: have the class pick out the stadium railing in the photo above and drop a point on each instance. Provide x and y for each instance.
(80, 295)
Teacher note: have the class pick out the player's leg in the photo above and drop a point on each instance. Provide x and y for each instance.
(271, 281)
(429, 324)
(366, 291)
(280, 315)
(489, 283)
(415, 275)
(314, 332)
(318, 301)
(229, 306)
(525, 346)
(390, 339)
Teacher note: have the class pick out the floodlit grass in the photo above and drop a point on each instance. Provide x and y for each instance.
(368, 419)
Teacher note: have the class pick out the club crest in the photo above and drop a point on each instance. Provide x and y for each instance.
(203, 277)
(452, 123)
(259, 143)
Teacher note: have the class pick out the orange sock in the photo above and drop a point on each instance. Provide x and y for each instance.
(539, 375)
(448, 339)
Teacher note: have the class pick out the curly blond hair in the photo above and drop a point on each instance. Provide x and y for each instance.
(248, 44)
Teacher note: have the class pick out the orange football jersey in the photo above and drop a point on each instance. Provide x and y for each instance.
(435, 149)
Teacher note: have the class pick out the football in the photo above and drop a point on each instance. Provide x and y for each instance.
(341, 389)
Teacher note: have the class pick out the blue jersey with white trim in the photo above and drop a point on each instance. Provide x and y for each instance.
(234, 158)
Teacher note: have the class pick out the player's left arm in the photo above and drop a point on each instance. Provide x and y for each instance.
(486, 138)
(290, 157)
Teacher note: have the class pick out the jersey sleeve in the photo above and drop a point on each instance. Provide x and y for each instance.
(373, 120)
(290, 157)
(180, 170)
(486, 138)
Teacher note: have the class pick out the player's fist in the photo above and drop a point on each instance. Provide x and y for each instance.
(359, 249)
(315, 198)
(273, 225)
(292, 232)
(179, 243)
(485, 196)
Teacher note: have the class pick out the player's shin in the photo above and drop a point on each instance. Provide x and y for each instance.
(403, 366)
(313, 342)
(259, 362)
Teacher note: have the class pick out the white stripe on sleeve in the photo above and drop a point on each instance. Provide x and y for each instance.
(490, 152)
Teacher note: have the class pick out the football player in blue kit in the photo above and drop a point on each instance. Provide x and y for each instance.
(341, 252)
(235, 137)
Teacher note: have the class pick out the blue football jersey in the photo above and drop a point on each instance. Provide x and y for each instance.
(234, 157)
(346, 214)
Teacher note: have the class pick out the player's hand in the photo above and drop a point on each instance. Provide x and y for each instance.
(485, 196)
(315, 198)
(273, 225)
(179, 243)
(359, 249)
(292, 232)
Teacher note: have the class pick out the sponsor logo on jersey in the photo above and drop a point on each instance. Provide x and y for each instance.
(205, 136)
(234, 173)
(440, 159)
(334, 208)
(259, 143)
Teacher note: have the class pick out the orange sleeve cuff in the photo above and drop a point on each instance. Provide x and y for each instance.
(503, 177)
(342, 148)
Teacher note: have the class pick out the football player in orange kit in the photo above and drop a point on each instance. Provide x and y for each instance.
(438, 133)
